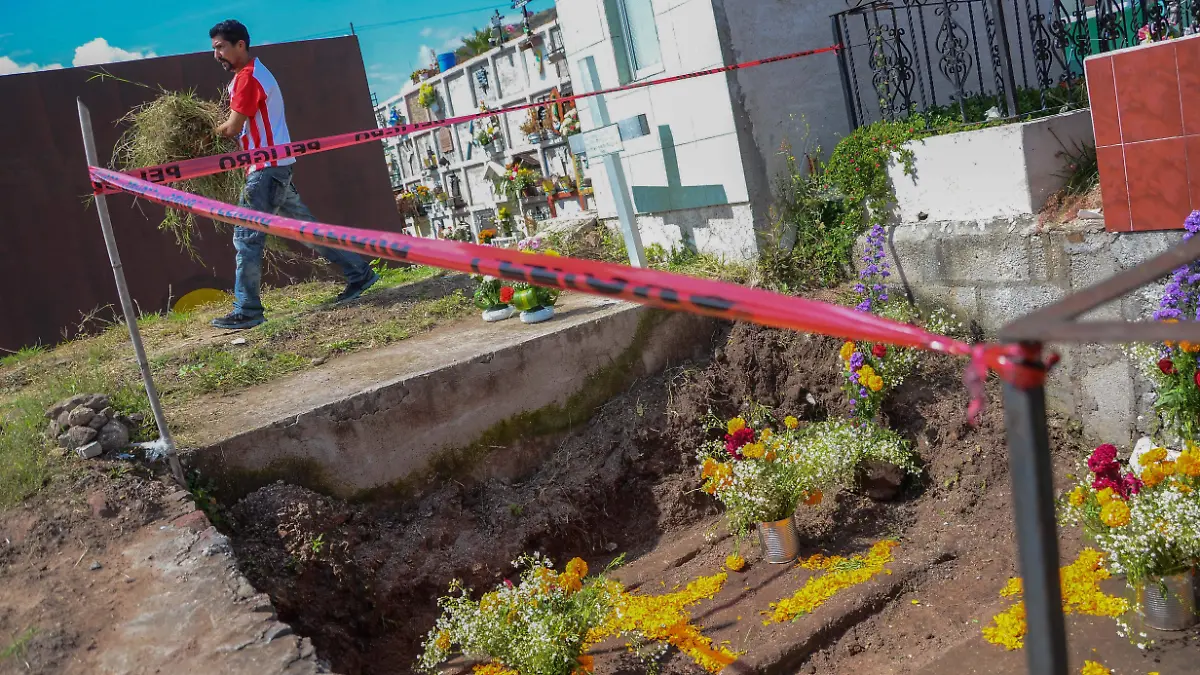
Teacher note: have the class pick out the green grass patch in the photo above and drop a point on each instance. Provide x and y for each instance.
(21, 355)
(19, 644)
(217, 369)
(390, 277)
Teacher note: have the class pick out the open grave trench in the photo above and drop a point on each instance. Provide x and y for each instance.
(361, 576)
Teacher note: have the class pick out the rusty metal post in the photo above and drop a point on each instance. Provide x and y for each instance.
(114, 257)
(1037, 533)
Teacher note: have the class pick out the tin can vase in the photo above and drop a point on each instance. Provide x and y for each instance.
(1169, 603)
(779, 541)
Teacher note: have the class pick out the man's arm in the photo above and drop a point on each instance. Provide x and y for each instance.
(232, 126)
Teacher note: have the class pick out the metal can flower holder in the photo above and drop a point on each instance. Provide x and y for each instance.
(779, 541)
(1169, 603)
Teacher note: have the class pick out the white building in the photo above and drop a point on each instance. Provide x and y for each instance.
(703, 177)
(523, 70)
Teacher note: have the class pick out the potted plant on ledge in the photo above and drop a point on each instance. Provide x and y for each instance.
(493, 297)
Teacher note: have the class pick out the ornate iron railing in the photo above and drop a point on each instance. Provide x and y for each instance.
(980, 59)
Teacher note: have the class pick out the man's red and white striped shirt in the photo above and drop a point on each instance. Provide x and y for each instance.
(255, 94)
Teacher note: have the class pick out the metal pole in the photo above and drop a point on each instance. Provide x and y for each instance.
(1037, 536)
(842, 54)
(1010, 78)
(114, 257)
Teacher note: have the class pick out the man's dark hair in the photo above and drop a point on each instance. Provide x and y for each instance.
(230, 30)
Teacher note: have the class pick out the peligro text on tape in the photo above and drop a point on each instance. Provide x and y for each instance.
(204, 166)
(650, 287)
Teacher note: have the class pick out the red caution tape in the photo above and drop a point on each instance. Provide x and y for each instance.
(1014, 363)
(205, 166)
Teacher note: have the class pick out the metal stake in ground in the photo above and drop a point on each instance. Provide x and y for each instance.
(1037, 536)
(127, 309)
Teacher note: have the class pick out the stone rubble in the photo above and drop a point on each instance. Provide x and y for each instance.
(88, 425)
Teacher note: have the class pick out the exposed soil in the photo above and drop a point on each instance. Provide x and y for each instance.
(1064, 207)
(363, 581)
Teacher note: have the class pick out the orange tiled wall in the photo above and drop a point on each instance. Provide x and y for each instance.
(1146, 115)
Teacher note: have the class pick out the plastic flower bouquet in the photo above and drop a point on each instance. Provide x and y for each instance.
(757, 473)
(492, 293)
(537, 626)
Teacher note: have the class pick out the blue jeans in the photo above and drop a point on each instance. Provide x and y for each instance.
(270, 190)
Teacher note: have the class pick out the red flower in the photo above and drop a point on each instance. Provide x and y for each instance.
(735, 441)
(1197, 378)
(1132, 484)
(1166, 366)
(1103, 460)
(506, 294)
(879, 351)
(1106, 482)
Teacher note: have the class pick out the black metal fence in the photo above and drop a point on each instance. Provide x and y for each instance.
(979, 59)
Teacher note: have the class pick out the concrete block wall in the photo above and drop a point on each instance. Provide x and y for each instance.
(991, 272)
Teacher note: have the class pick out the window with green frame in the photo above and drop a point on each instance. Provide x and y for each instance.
(635, 38)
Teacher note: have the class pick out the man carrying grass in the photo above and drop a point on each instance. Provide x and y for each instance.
(256, 115)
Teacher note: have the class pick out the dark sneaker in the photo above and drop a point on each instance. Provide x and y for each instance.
(354, 290)
(238, 321)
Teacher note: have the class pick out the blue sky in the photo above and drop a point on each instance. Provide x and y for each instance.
(36, 35)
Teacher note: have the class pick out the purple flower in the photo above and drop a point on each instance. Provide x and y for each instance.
(856, 361)
(862, 393)
(864, 306)
(860, 288)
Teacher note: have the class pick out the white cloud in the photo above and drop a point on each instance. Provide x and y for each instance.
(427, 31)
(8, 66)
(99, 51)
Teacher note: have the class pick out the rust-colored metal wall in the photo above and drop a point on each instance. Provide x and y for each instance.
(53, 265)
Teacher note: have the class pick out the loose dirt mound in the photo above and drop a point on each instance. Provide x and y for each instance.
(363, 582)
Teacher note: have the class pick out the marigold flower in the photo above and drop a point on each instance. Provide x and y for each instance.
(866, 373)
(879, 351)
(753, 451)
(1152, 475)
(577, 567)
(570, 583)
(442, 642)
(1093, 668)
(770, 456)
(735, 425)
(847, 351)
(1077, 496)
(1115, 514)
(735, 562)
(1188, 464)
(1153, 456)
(814, 498)
(587, 664)
(708, 469)
(1105, 496)
(875, 383)
(791, 422)
(766, 433)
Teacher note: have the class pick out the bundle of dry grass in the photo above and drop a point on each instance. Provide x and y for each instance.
(172, 127)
